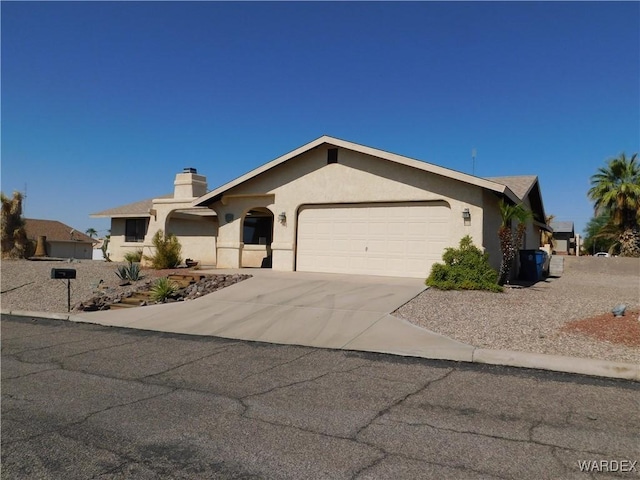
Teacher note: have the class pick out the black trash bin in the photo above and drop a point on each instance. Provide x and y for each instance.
(531, 265)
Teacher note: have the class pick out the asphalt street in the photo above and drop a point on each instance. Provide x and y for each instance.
(82, 401)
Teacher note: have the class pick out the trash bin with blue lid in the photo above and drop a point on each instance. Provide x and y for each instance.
(532, 264)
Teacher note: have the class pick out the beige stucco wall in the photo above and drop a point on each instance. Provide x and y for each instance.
(196, 234)
(118, 248)
(78, 250)
(356, 178)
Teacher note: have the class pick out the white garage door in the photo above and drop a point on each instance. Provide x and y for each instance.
(391, 239)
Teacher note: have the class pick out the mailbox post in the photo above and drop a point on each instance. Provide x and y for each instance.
(68, 274)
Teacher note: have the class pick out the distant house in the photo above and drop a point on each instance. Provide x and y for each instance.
(61, 241)
(330, 206)
(564, 238)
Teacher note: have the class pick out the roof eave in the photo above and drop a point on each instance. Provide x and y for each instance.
(119, 215)
(216, 194)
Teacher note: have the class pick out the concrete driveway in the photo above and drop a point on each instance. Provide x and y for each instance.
(320, 310)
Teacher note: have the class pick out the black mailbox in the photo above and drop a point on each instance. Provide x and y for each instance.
(68, 273)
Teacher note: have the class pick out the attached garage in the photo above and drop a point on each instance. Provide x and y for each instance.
(390, 239)
(340, 207)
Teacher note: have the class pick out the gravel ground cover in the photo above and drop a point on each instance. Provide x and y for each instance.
(531, 319)
(27, 285)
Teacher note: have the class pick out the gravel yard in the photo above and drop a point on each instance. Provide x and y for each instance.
(525, 319)
(530, 319)
(27, 285)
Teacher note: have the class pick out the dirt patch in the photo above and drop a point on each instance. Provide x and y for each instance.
(623, 330)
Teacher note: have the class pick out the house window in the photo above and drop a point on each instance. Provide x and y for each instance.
(135, 229)
(257, 230)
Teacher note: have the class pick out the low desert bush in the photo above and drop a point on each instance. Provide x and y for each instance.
(167, 251)
(464, 268)
(133, 257)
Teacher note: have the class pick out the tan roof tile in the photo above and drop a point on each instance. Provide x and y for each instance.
(54, 231)
(520, 185)
(136, 209)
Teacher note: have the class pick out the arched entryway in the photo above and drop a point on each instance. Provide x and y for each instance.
(257, 235)
(196, 231)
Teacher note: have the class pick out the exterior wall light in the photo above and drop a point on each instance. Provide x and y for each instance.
(228, 217)
(466, 215)
(282, 218)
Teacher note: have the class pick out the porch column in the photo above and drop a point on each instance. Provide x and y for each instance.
(229, 245)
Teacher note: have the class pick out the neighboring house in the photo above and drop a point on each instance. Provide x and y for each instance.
(62, 241)
(564, 238)
(331, 206)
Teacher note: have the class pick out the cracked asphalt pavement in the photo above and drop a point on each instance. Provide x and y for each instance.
(82, 401)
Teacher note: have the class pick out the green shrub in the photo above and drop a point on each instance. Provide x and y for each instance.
(167, 249)
(131, 271)
(162, 289)
(464, 268)
(133, 257)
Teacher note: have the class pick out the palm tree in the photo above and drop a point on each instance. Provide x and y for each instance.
(615, 189)
(510, 241)
(92, 232)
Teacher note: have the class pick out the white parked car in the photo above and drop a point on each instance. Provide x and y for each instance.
(601, 254)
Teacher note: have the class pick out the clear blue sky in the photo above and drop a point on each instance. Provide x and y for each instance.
(103, 102)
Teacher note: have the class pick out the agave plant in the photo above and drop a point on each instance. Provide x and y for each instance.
(131, 272)
(162, 289)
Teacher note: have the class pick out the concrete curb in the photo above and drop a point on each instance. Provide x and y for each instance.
(557, 363)
(537, 361)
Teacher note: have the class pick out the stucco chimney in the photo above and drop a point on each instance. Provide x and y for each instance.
(189, 184)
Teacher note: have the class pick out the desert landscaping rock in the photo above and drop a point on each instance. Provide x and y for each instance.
(103, 299)
(26, 285)
(532, 319)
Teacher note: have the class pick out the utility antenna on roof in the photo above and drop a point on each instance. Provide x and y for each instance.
(473, 161)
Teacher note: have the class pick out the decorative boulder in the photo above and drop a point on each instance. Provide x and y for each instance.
(618, 310)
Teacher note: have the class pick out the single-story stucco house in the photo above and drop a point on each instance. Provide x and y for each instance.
(564, 238)
(60, 240)
(330, 206)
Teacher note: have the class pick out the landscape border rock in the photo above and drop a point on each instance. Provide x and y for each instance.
(108, 295)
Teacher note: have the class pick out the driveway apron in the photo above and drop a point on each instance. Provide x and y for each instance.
(312, 309)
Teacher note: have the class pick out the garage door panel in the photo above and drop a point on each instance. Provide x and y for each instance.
(374, 239)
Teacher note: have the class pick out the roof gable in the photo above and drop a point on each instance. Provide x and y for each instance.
(520, 185)
(392, 157)
(54, 231)
(562, 227)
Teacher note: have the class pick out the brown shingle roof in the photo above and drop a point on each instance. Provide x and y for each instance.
(136, 209)
(520, 185)
(54, 231)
